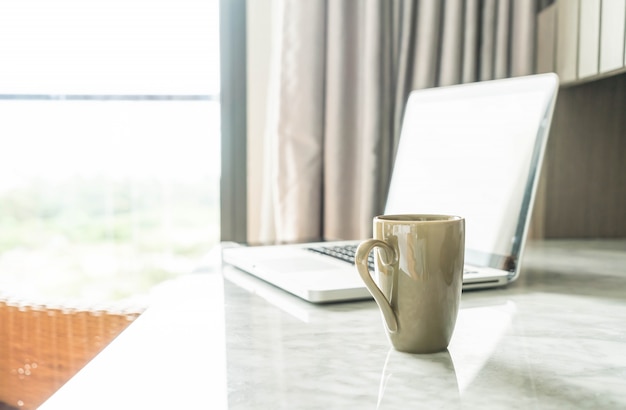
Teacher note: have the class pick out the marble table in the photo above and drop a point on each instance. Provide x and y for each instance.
(219, 339)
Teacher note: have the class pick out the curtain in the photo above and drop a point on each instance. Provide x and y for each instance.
(340, 76)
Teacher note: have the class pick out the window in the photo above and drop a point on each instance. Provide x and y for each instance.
(109, 144)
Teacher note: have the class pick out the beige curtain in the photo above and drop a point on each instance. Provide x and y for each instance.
(341, 74)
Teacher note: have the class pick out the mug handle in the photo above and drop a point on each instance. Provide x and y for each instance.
(361, 256)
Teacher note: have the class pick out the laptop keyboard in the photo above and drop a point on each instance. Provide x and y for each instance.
(344, 252)
(347, 253)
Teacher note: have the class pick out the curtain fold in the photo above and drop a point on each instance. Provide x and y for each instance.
(471, 41)
(341, 74)
(295, 133)
(452, 31)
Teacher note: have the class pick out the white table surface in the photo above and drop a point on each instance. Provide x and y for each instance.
(219, 339)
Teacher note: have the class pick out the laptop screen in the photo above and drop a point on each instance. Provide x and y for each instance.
(474, 150)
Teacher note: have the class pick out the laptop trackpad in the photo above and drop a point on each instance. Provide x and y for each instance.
(294, 265)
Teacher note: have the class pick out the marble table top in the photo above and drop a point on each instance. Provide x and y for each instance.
(218, 338)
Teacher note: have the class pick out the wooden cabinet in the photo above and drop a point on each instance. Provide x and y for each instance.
(582, 40)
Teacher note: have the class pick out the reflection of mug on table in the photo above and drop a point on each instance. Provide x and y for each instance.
(430, 381)
(419, 270)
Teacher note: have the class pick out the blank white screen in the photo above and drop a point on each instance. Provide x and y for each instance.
(467, 151)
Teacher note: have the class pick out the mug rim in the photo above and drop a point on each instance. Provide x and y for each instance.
(417, 218)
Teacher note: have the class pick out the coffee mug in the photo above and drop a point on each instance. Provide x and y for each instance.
(419, 276)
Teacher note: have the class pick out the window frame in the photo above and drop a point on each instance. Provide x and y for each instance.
(233, 108)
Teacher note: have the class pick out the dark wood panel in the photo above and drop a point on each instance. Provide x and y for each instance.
(585, 186)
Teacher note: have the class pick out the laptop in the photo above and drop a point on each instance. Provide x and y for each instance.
(473, 150)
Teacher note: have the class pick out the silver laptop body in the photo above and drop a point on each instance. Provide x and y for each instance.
(473, 150)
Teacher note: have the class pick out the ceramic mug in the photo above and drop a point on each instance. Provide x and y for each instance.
(419, 276)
